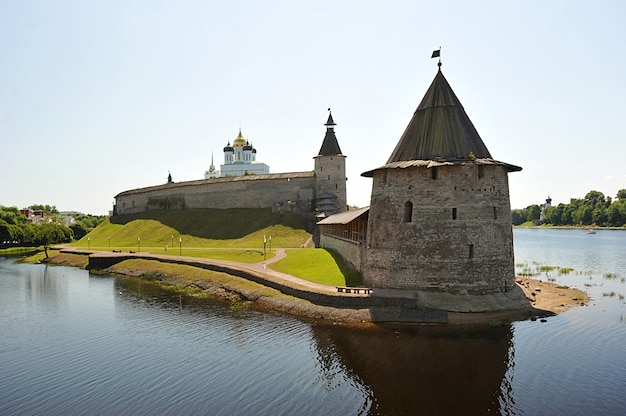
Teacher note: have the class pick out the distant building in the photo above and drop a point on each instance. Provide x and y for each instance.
(544, 208)
(33, 216)
(212, 172)
(240, 159)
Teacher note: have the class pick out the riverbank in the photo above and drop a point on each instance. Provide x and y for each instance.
(545, 299)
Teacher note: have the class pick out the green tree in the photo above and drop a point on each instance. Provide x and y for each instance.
(534, 211)
(554, 214)
(615, 216)
(599, 216)
(50, 233)
(12, 215)
(48, 209)
(621, 195)
(79, 229)
(518, 216)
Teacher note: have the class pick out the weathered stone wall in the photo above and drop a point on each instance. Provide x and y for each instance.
(448, 230)
(330, 173)
(254, 191)
(350, 250)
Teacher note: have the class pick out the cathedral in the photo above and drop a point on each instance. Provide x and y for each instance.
(239, 159)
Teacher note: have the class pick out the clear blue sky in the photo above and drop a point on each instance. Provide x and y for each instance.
(98, 97)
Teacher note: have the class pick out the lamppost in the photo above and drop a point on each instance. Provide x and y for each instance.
(264, 242)
(180, 246)
(138, 244)
(270, 244)
(172, 243)
(88, 243)
(109, 242)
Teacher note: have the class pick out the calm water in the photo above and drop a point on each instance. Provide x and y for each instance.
(73, 343)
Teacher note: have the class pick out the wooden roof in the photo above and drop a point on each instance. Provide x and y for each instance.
(330, 145)
(440, 132)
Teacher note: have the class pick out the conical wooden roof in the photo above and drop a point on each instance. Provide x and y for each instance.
(440, 133)
(330, 145)
(440, 129)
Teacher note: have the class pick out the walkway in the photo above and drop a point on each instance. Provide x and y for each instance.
(424, 306)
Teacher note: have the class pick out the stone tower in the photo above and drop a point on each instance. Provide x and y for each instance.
(439, 218)
(330, 174)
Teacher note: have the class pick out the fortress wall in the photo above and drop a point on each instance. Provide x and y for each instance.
(256, 191)
(458, 236)
(348, 249)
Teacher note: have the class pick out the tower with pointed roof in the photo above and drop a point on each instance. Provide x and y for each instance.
(439, 218)
(330, 174)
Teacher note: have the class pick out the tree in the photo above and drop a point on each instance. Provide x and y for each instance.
(518, 216)
(79, 229)
(48, 209)
(554, 214)
(534, 211)
(12, 215)
(51, 233)
(621, 195)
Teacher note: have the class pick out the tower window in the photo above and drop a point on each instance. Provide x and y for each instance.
(471, 251)
(328, 177)
(481, 172)
(321, 168)
(433, 173)
(495, 213)
(408, 211)
(454, 213)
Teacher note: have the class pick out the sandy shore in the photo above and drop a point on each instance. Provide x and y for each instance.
(544, 299)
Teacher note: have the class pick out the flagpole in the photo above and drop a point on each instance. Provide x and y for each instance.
(437, 54)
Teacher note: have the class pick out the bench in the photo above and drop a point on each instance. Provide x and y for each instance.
(357, 290)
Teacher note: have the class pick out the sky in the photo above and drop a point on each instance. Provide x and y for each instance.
(101, 97)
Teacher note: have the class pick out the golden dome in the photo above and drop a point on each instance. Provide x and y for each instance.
(240, 140)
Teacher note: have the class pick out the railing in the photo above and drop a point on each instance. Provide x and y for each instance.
(357, 290)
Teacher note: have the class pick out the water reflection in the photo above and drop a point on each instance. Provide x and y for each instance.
(423, 370)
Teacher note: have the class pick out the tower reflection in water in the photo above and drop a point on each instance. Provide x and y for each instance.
(427, 370)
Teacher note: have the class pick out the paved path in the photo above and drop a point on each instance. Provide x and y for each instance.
(260, 267)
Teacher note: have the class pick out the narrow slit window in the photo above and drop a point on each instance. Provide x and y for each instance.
(433, 173)
(454, 213)
(408, 211)
(471, 251)
(481, 172)
(495, 213)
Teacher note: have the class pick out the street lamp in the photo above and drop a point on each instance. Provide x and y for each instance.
(172, 243)
(264, 242)
(138, 244)
(180, 246)
(88, 243)
(270, 244)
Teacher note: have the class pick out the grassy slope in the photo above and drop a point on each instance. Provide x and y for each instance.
(234, 228)
(215, 233)
(318, 265)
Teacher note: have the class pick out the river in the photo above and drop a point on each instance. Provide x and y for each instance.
(73, 343)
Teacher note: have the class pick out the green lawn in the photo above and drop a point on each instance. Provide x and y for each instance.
(318, 265)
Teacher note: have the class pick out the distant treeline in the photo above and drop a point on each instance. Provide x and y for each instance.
(594, 209)
(16, 231)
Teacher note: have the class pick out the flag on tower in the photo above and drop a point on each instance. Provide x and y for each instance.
(436, 53)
